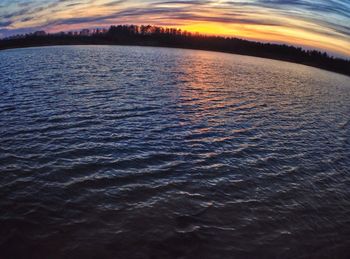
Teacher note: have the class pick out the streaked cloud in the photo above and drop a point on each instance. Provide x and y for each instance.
(317, 24)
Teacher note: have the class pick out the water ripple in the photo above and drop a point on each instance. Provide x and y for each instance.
(130, 152)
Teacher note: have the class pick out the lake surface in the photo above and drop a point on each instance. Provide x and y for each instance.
(136, 152)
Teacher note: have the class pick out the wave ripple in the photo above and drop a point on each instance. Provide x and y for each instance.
(134, 152)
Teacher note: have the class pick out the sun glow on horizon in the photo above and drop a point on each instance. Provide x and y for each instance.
(273, 34)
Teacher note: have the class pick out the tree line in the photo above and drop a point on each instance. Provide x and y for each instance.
(147, 35)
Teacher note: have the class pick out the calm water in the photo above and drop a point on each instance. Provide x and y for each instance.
(132, 152)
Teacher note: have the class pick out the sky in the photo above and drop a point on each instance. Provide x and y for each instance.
(316, 24)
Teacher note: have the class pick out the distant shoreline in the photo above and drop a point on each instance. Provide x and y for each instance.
(171, 47)
(126, 36)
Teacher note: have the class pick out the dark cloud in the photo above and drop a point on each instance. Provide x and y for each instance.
(114, 3)
(74, 4)
(24, 4)
(5, 24)
(184, 2)
(318, 6)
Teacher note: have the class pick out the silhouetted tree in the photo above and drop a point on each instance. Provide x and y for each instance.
(171, 37)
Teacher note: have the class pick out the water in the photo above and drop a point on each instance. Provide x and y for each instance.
(133, 152)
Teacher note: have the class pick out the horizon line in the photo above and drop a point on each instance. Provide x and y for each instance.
(194, 33)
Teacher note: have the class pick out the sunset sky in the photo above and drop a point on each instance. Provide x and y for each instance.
(317, 24)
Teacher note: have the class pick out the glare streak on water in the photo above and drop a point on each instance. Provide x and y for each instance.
(134, 152)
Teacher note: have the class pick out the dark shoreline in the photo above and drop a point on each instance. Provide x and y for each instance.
(122, 35)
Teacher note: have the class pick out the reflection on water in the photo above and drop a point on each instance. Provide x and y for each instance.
(128, 152)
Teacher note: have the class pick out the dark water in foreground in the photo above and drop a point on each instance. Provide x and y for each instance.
(130, 152)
